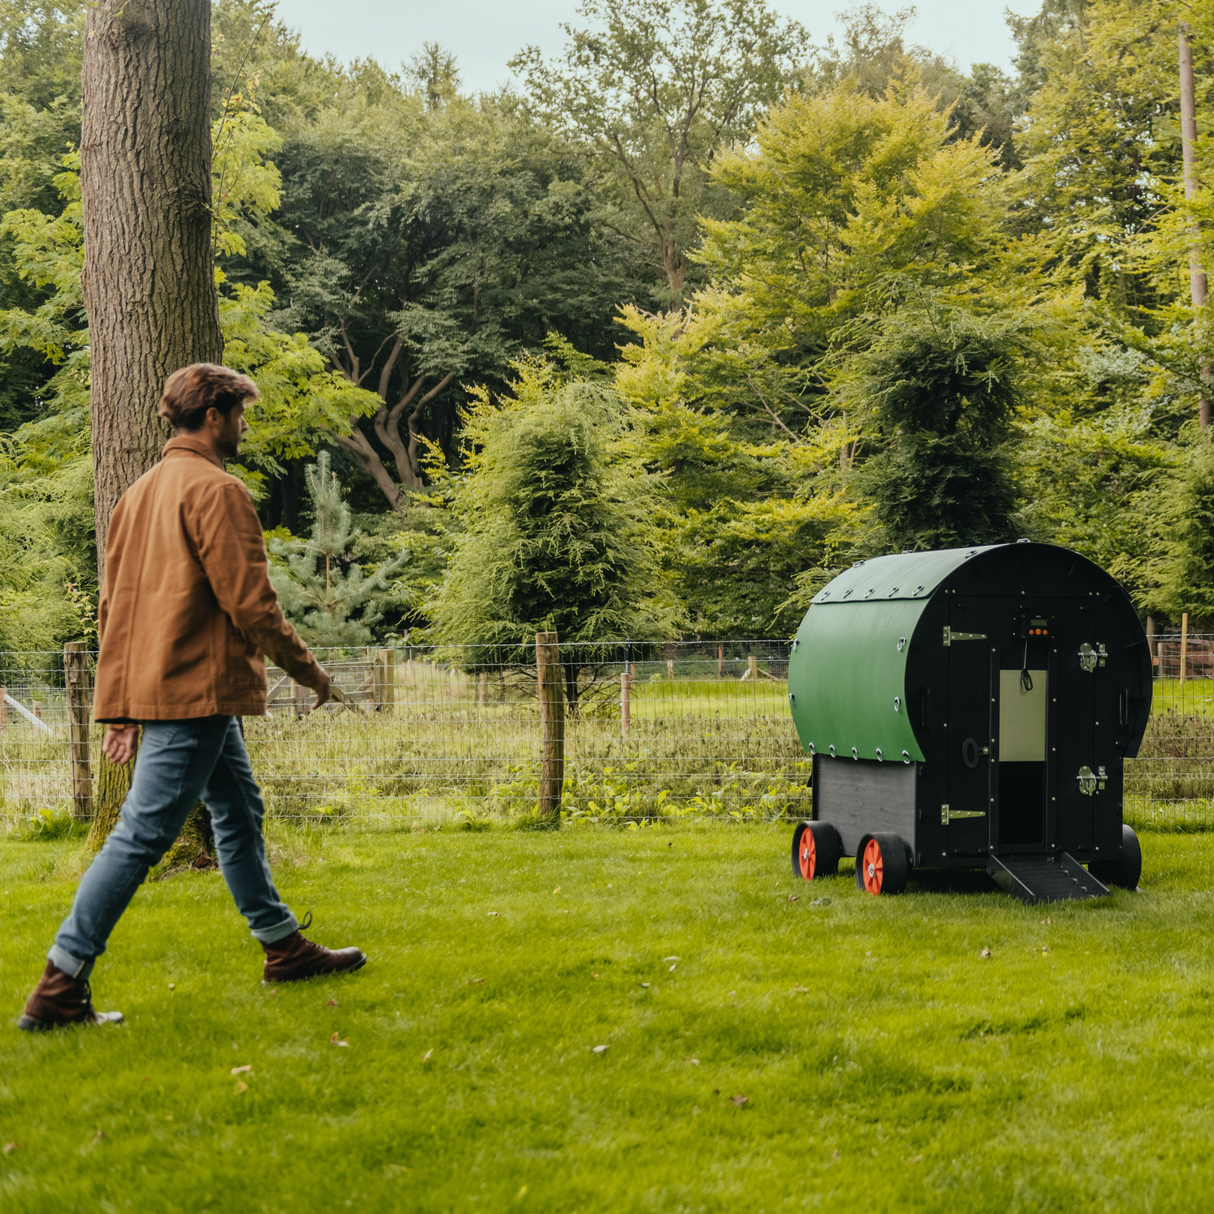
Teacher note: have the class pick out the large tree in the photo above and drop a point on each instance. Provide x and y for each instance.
(145, 179)
(657, 88)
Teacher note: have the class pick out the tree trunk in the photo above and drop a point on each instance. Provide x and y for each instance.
(145, 180)
(149, 286)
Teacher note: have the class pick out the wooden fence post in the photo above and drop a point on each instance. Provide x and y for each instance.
(3, 709)
(384, 672)
(625, 703)
(1184, 645)
(720, 659)
(79, 709)
(551, 683)
(482, 696)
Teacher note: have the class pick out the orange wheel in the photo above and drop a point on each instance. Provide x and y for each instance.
(815, 851)
(874, 867)
(807, 855)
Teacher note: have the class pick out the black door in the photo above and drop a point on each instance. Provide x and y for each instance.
(966, 812)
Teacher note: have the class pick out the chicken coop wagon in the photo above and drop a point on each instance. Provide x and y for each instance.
(972, 708)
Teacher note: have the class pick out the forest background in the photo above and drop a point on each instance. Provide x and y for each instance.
(657, 346)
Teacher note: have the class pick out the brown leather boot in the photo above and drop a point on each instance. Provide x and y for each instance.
(294, 958)
(60, 1000)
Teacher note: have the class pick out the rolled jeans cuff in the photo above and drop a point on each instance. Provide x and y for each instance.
(72, 966)
(280, 931)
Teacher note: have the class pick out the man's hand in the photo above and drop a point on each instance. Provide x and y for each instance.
(322, 692)
(119, 743)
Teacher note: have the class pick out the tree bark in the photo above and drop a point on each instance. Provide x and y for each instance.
(1188, 145)
(145, 179)
(149, 285)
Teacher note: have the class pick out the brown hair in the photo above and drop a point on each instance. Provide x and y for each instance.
(190, 392)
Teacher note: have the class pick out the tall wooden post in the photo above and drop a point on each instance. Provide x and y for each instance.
(1184, 645)
(3, 709)
(1188, 146)
(551, 683)
(720, 659)
(79, 709)
(625, 703)
(384, 674)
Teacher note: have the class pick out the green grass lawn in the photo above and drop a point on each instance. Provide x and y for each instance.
(885, 1064)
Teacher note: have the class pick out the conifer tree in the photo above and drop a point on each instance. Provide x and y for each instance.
(1186, 582)
(940, 391)
(329, 598)
(559, 531)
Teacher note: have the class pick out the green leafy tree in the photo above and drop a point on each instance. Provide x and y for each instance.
(328, 596)
(558, 531)
(657, 89)
(438, 238)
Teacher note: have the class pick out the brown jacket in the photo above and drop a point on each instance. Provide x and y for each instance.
(187, 610)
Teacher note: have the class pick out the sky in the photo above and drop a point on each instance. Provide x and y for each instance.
(484, 34)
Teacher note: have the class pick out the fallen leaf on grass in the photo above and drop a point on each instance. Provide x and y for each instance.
(523, 1191)
(333, 1003)
(594, 975)
(475, 981)
(172, 987)
(672, 958)
(557, 890)
(168, 1117)
(1047, 919)
(599, 1049)
(495, 914)
(336, 1040)
(733, 994)
(274, 993)
(985, 954)
(242, 1070)
(793, 898)
(671, 970)
(837, 1155)
(739, 1101)
(692, 1061)
(1045, 948)
(397, 1168)
(10, 1147)
(426, 1057)
(915, 1159)
(100, 1136)
(645, 985)
(241, 1086)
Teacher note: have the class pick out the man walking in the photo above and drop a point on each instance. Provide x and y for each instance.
(186, 614)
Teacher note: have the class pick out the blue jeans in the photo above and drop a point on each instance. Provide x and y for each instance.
(179, 763)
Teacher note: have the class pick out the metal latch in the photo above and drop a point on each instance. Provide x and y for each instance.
(948, 815)
(950, 636)
(1089, 658)
(1090, 782)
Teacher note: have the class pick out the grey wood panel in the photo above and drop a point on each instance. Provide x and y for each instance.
(862, 797)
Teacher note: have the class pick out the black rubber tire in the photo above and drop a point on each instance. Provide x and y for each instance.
(894, 864)
(1126, 870)
(827, 849)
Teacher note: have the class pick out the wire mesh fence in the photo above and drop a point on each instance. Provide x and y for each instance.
(652, 731)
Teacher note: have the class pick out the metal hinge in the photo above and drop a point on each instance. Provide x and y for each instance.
(948, 815)
(950, 636)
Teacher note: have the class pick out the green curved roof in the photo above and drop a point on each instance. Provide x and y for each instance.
(847, 670)
(909, 575)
